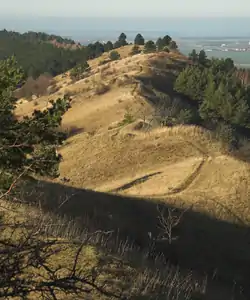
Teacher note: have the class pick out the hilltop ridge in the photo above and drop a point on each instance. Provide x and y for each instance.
(152, 197)
(117, 145)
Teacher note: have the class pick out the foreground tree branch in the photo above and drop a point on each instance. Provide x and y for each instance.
(26, 267)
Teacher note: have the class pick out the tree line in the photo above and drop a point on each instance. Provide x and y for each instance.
(220, 96)
(37, 56)
(33, 36)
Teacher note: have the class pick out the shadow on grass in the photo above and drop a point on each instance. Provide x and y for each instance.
(156, 86)
(73, 130)
(205, 245)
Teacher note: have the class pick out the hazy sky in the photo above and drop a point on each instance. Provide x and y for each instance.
(126, 8)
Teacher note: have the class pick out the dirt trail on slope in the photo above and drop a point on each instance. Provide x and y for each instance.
(141, 185)
(110, 156)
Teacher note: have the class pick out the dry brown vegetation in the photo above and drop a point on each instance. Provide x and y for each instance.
(95, 264)
(100, 88)
(37, 87)
(135, 164)
(103, 99)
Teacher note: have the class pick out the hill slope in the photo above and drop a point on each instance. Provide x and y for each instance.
(116, 147)
(120, 165)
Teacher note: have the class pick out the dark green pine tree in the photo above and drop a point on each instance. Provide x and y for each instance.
(108, 46)
(173, 45)
(122, 39)
(192, 83)
(149, 47)
(241, 113)
(209, 102)
(193, 56)
(181, 83)
(160, 44)
(166, 40)
(27, 146)
(139, 40)
(202, 58)
(229, 65)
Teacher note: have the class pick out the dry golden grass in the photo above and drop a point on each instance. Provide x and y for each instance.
(101, 88)
(182, 165)
(107, 155)
(118, 270)
(178, 162)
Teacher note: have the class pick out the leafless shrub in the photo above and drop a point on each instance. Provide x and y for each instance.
(27, 89)
(169, 220)
(169, 224)
(101, 88)
(42, 83)
(36, 87)
(167, 108)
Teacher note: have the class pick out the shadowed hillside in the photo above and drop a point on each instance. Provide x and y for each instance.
(199, 242)
(152, 154)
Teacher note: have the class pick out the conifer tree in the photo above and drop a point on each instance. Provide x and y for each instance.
(139, 40)
(122, 39)
(27, 146)
(193, 56)
(202, 58)
(160, 44)
(166, 40)
(149, 47)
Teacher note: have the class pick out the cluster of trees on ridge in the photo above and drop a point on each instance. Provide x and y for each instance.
(140, 46)
(35, 37)
(220, 98)
(41, 60)
(37, 56)
(162, 44)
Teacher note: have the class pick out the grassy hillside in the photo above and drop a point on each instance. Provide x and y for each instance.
(167, 195)
(110, 267)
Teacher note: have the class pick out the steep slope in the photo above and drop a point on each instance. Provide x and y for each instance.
(106, 153)
(120, 168)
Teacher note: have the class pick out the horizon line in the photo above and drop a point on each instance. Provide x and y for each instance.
(4, 15)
